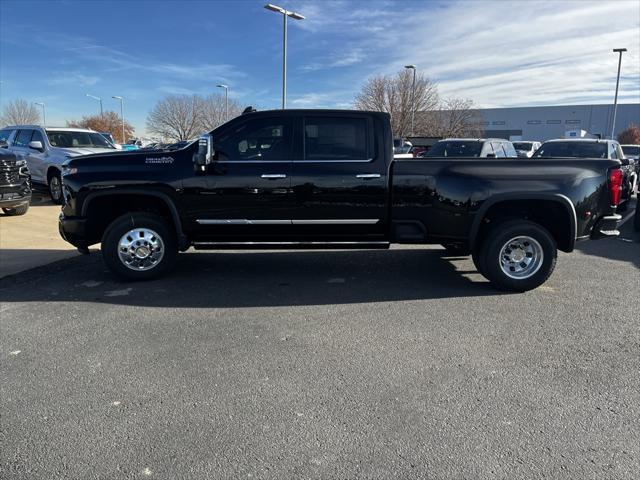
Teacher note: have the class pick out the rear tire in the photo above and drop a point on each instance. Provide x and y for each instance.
(517, 255)
(55, 187)
(139, 246)
(12, 212)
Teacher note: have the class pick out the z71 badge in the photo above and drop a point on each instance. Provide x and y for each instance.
(158, 160)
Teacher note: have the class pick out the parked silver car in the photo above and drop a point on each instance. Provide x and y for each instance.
(472, 147)
(46, 149)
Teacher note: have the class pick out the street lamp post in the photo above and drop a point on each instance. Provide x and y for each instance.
(413, 96)
(99, 100)
(615, 100)
(124, 140)
(285, 13)
(226, 101)
(44, 113)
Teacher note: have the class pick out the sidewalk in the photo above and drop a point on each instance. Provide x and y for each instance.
(32, 240)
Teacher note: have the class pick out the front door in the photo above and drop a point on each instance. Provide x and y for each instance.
(340, 183)
(248, 186)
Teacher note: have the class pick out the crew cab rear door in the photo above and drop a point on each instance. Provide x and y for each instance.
(340, 183)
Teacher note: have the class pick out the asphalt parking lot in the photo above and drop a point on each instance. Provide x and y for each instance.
(359, 364)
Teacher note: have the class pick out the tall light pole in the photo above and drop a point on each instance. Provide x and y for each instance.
(124, 140)
(615, 100)
(285, 13)
(100, 100)
(44, 113)
(226, 101)
(413, 96)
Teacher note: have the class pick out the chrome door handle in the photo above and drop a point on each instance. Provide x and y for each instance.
(273, 176)
(368, 175)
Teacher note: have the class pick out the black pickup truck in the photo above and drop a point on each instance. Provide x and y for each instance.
(327, 179)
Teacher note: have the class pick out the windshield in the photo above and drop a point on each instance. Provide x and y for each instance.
(71, 139)
(572, 149)
(455, 149)
(633, 151)
(526, 146)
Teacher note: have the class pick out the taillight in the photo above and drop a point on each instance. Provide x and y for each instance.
(615, 186)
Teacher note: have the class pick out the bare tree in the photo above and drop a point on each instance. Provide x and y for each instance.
(108, 122)
(394, 95)
(457, 118)
(181, 117)
(176, 117)
(214, 112)
(630, 135)
(19, 112)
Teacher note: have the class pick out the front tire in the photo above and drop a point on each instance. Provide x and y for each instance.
(12, 212)
(55, 187)
(139, 246)
(518, 255)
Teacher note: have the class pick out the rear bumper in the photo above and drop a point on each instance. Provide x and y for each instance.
(607, 226)
(72, 229)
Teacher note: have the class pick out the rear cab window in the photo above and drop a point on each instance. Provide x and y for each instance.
(337, 138)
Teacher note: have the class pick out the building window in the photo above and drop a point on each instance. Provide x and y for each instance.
(534, 122)
(554, 122)
(497, 123)
(572, 122)
(483, 123)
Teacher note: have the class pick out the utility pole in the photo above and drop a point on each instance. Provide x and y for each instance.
(615, 100)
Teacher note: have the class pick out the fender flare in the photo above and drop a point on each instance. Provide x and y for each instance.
(139, 191)
(505, 197)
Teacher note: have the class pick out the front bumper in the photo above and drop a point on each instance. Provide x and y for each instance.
(15, 197)
(72, 230)
(607, 226)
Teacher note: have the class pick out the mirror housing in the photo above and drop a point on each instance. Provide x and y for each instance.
(205, 153)
(36, 145)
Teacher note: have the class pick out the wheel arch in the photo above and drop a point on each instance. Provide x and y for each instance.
(94, 197)
(566, 240)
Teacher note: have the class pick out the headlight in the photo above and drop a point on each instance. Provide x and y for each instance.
(69, 171)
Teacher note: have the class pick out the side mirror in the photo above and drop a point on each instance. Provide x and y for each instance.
(36, 145)
(491, 155)
(205, 153)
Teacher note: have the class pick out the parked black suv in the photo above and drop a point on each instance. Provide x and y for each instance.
(15, 184)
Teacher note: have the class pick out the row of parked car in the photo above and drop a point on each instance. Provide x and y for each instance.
(45, 150)
(558, 148)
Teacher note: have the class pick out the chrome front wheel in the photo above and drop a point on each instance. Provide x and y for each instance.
(140, 249)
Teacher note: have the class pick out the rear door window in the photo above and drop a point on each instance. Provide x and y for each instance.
(336, 138)
(23, 138)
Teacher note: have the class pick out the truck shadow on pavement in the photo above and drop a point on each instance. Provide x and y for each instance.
(625, 248)
(259, 279)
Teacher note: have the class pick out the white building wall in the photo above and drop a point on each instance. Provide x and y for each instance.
(544, 123)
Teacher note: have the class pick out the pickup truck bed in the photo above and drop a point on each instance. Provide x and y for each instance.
(327, 179)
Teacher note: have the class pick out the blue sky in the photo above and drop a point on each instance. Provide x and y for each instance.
(497, 53)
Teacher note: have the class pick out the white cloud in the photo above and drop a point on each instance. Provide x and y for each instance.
(497, 53)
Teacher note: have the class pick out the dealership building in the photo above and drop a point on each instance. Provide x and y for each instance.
(543, 123)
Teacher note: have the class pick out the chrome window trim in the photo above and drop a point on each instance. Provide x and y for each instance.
(327, 221)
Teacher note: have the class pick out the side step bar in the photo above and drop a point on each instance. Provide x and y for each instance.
(289, 245)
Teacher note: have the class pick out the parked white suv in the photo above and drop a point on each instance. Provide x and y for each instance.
(46, 149)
